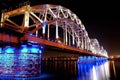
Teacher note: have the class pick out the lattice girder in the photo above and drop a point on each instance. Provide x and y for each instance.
(32, 19)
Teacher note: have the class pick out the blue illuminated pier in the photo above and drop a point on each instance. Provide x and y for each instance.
(91, 59)
(98, 70)
(21, 62)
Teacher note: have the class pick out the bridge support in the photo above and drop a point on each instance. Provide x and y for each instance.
(66, 36)
(36, 31)
(69, 40)
(26, 19)
(73, 39)
(21, 61)
(78, 43)
(82, 42)
(57, 31)
(43, 28)
(2, 18)
(48, 32)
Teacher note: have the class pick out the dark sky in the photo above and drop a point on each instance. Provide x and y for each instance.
(101, 18)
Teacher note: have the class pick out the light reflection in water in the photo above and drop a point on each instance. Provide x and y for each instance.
(94, 71)
(114, 70)
(68, 70)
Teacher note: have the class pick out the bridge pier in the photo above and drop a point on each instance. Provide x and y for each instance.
(20, 61)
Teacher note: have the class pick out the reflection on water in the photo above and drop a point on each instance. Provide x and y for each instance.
(60, 69)
(77, 71)
(55, 70)
(115, 70)
(96, 71)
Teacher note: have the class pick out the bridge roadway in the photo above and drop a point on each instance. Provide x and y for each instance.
(15, 39)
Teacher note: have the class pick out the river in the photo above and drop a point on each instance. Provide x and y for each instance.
(72, 70)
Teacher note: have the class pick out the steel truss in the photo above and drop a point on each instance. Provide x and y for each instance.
(41, 20)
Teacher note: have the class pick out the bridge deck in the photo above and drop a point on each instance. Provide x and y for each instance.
(15, 39)
(59, 45)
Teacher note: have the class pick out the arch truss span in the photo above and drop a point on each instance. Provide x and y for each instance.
(51, 22)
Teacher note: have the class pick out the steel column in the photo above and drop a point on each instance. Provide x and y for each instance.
(48, 36)
(57, 36)
(26, 24)
(66, 35)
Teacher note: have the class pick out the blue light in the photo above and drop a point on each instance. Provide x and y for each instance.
(35, 49)
(41, 47)
(31, 34)
(9, 49)
(31, 49)
(85, 57)
(34, 45)
(0, 50)
(40, 51)
(44, 24)
(89, 57)
(24, 49)
(23, 45)
(18, 64)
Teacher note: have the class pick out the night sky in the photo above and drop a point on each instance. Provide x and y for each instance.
(101, 18)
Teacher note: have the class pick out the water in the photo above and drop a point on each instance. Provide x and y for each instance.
(114, 70)
(69, 70)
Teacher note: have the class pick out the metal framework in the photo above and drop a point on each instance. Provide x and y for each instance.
(51, 22)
